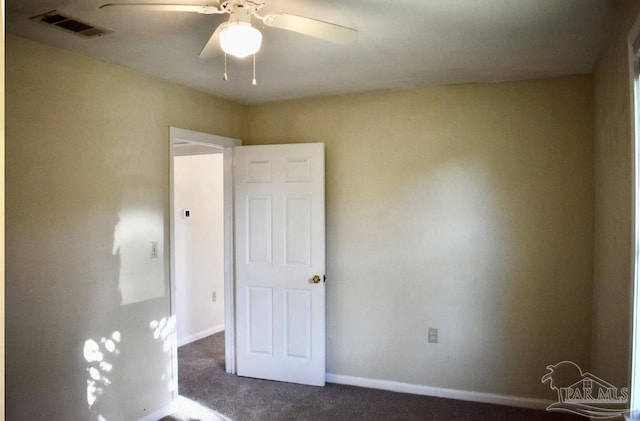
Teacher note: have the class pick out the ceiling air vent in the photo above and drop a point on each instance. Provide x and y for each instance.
(70, 24)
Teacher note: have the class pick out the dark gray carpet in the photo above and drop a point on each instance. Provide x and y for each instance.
(202, 379)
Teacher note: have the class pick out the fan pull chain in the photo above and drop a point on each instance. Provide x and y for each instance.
(224, 76)
(253, 82)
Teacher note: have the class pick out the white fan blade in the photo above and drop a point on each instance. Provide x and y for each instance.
(163, 7)
(312, 27)
(212, 47)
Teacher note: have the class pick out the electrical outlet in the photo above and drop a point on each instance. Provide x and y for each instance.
(432, 335)
(154, 249)
(214, 296)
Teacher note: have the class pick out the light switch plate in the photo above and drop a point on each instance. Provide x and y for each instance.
(433, 335)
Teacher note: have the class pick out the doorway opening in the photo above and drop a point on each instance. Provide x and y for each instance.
(199, 239)
(202, 299)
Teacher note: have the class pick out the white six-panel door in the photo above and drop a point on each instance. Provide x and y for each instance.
(280, 248)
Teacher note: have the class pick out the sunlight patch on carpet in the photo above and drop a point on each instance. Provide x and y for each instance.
(185, 410)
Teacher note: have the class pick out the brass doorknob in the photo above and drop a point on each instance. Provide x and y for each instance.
(316, 279)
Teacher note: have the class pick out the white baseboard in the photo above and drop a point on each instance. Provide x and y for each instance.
(439, 392)
(200, 335)
(159, 413)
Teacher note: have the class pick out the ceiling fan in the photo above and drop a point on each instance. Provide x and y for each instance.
(237, 36)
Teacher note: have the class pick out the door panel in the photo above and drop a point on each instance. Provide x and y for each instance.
(280, 247)
(297, 322)
(298, 231)
(260, 311)
(260, 232)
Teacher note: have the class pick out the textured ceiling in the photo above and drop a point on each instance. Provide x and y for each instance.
(401, 44)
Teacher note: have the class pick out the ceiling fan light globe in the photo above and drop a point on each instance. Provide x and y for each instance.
(240, 39)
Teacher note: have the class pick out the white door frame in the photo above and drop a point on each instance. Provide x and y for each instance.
(634, 82)
(226, 144)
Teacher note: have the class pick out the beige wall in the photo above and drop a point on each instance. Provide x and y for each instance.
(467, 208)
(87, 176)
(612, 288)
